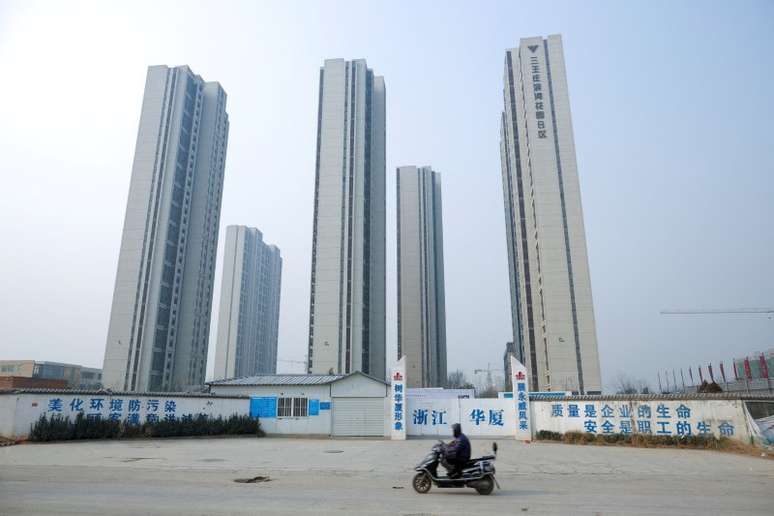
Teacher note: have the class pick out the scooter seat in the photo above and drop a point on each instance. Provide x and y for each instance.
(471, 462)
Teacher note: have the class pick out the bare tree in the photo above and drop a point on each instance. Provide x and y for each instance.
(457, 380)
(625, 384)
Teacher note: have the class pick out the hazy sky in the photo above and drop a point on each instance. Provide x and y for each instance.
(672, 110)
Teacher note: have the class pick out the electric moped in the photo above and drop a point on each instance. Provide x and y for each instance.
(478, 473)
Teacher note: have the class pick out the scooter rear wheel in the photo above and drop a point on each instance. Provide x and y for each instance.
(485, 486)
(422, 483)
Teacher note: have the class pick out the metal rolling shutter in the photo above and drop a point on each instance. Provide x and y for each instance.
(358, 417)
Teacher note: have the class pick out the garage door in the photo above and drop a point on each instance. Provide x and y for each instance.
(358, 417)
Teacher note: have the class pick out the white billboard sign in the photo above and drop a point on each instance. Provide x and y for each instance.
(523, 428)
(398, 400)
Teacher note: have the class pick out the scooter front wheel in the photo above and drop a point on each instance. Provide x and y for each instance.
(422, 483)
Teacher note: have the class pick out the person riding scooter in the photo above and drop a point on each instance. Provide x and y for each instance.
(457, 452)
(478, 473)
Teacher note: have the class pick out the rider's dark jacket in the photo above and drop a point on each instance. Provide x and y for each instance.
(459, 449)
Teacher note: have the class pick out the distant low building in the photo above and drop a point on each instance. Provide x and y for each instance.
(23, 368)
(91, 378)
(75, 376)
(25, 382)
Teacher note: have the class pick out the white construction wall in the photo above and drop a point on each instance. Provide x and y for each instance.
(18, 412)
(721, 418)
(478, 417)
(423, 416)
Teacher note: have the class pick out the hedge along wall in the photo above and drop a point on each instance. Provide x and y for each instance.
(18, 411)
(721, 418)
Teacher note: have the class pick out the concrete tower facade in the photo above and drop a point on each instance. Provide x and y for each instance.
(248, 319)
(160, 317)
(347, 305)
(421, 294)
(552, 309)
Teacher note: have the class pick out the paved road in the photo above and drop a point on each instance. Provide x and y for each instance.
(196, 476)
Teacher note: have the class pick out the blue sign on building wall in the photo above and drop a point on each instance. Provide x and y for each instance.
(263, 407)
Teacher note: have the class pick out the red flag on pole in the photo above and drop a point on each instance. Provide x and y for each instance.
(660, 389)
(764, 367)
(747, 369)
(712, 377)
(736, 374)
(682, 378)
(701, 375)
(690, 373)
(723, 372)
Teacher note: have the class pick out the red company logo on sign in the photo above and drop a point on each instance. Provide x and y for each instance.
(397, 376)
(520, 375)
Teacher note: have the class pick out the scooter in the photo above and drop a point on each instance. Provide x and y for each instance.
(477, 473)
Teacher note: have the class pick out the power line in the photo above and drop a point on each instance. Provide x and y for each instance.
(718, 311)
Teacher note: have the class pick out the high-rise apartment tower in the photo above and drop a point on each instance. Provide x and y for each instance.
(160, 316)
(552, 312)
(347, 305)
(248, 320)
(421, 294)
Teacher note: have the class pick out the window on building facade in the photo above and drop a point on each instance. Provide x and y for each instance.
(285, 407)
(299, 407)
(292, 407)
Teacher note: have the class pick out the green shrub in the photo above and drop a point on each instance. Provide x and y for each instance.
(59, 428)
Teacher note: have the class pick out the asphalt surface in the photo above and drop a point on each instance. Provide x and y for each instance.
(197, 476)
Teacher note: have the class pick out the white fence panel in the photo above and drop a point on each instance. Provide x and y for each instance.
(432, 416)
(656, 417)
(478, 417)
(488, 417)
(133, 407)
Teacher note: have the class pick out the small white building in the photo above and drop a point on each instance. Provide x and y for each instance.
(312, 404)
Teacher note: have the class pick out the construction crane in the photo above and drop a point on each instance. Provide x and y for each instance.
(720, 311)
(488, 371)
